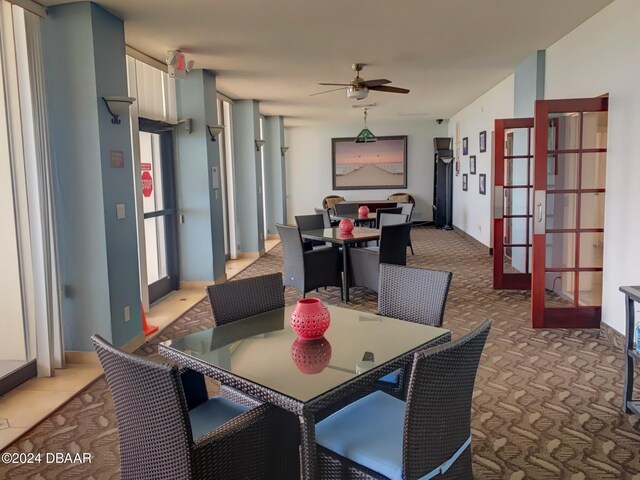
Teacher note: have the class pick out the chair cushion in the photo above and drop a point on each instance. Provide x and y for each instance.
(213, 413)
(368, 432)
(393, 377)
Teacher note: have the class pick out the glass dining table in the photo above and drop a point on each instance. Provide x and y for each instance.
(262, 356)
(346, 240)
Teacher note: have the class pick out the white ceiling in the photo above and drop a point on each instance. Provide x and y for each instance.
(448, 52)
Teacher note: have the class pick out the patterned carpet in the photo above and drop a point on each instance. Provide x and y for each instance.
(546, 402)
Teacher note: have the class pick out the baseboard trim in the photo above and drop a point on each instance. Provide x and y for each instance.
(249, 255)
(18, 377)
(133, 344)
(612, 336)
(221, 279)
(474, 240)
(81, 358)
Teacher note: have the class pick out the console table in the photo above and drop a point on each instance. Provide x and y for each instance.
(629, 405)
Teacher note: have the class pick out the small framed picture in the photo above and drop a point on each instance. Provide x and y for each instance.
(483, 184)
(472, 164)
(483, 141)
(465, 146)
(465, 182)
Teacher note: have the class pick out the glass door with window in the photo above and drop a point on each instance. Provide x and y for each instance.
(159, 207)
(513, 194)
(569, 183)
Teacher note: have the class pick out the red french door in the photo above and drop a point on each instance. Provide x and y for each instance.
(568, 225)
(513, 198)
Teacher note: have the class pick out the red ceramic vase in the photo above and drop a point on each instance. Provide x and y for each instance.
(311, 356)
(310, 318)
(363, 211)
(346, 225)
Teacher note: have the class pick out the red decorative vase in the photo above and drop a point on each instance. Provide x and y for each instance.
(363, 211)
(310, 318)
(346, 225)
(311, 356)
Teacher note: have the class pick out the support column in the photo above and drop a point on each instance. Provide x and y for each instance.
(198, 179)
(84, 57)
(248, 177)
(274, 173)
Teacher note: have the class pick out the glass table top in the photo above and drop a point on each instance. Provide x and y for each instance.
(265, 350)
(335, 235)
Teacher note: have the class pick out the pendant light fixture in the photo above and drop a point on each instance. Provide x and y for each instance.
(365, 135)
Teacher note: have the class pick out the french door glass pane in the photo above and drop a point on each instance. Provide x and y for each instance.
(593, 170)
(516, 201)
(562, 171)
(561, 250)
(592, 210)
(515, 171)
(595, 130)
(590, 288)
(559, 289)
(564, 131)
(591, 249)
(516, 143)
(561, 211)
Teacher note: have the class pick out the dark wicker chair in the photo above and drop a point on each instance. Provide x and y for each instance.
(326, 217)
(346, 208)
(407, 209)
(380, 211)
(364, 263)
(309, 270)
(237, 299)
(398, 195)
(413, 294)
(311, 222)
(169, 428)
(429, 436)
(330, 201)
(392, 219)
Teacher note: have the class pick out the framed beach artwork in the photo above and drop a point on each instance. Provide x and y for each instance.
(483, 141)
(472, 164)
(465, 182)
(380, 164)
(465, 146)
(482, 183)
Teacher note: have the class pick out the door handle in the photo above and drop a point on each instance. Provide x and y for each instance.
(539, 205)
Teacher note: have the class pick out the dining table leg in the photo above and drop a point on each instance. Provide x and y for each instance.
(345, 273)
(308, 458)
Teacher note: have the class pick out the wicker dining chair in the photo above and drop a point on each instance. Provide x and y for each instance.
(364, 263)
(237, 299)
(413, 294)
(311, 222)
(407, 209)
(168, 427)
(428, 436)
(346, 208)
(380, 211)
(326, 217)
(308, 270)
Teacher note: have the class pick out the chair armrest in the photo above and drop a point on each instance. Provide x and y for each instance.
(237, 424)
(195, 390)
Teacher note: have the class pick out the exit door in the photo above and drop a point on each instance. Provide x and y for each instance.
(513, 207)
(159, 208)
(568, 225)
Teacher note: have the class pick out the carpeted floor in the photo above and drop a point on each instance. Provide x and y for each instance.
(546, 402)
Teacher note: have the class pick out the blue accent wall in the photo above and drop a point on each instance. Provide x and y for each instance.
(248, 176)
(528, 84)
(202, 255)
(84, 57)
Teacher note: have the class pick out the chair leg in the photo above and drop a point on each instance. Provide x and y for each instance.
(411, 247)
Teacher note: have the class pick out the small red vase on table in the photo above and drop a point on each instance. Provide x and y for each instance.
(310, 318)
(363, 212)
(346, 225)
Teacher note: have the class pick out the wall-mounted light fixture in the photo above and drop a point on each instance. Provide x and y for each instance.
(259, 144)
(118, 106)
(214, 131)
(284, 150)
(188, 124)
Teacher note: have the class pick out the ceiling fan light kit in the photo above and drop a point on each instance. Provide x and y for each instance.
(358, 88)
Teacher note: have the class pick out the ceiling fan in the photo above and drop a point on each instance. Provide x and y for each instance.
(358, 88)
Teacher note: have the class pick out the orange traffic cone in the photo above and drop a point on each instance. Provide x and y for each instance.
(148, 329)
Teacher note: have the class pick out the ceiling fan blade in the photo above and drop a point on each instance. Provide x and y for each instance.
(390, 89)
(376, 83)
(341, 84)
(327, 91)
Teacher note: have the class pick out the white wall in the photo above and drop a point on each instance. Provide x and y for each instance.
(602, 56)
(308, 164)
(472, 212)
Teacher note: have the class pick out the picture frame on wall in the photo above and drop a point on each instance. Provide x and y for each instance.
(472, 164)
(373, 165)
(482, 184)
(465, 182)
(465, 146)
(483, 141)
